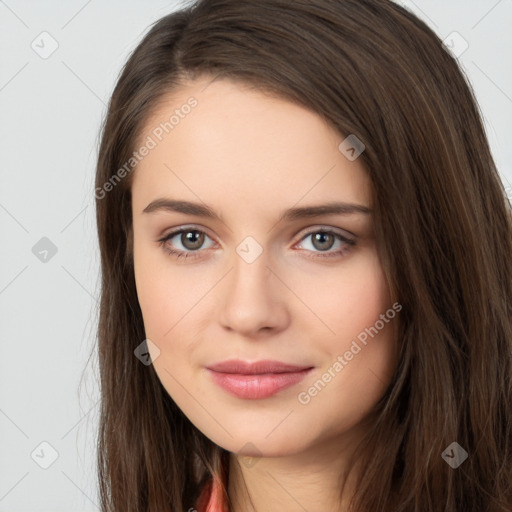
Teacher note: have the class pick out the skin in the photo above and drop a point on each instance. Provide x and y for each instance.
(250, 156)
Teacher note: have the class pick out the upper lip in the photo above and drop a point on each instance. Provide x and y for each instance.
(257, 367)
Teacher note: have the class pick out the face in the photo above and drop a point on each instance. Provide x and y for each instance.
(254, 271)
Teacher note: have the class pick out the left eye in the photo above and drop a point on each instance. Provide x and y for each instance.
(323, 240)
(192, 241)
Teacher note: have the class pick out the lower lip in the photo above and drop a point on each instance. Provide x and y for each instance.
(254, 387)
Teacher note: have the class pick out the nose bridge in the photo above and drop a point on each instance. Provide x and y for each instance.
(252, 298)
(250, 276)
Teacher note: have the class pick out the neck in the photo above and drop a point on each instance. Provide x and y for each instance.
(308, 480)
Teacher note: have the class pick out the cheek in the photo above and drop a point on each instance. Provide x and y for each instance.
(364, 298)
(347, 387)
(172, 301)
(358, 311)
(165, 296)
(162, 291)
(368, 330)
(347, 303)
(155, 299)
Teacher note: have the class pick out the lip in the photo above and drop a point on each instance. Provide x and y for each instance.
(257, 380)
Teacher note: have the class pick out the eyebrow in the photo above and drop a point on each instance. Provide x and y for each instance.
(202, 210)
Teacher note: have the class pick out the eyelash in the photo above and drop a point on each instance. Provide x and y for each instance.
(190, 254)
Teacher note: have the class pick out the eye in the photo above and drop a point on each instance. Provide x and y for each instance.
(322, 240)
(191, 240)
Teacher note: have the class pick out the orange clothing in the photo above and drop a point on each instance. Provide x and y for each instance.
(212, 498)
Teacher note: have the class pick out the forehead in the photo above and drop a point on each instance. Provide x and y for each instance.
(240, 146)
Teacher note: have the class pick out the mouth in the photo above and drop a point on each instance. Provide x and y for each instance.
(258, 380)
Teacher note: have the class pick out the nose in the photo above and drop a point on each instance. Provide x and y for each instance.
(253, 299)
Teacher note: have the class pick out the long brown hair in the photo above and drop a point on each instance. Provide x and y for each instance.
(444, 234)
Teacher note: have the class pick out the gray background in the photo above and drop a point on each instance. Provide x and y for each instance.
(51, 109)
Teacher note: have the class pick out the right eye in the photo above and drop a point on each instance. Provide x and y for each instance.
(191, 240)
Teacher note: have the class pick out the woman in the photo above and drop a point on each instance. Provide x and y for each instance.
(306, 295)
